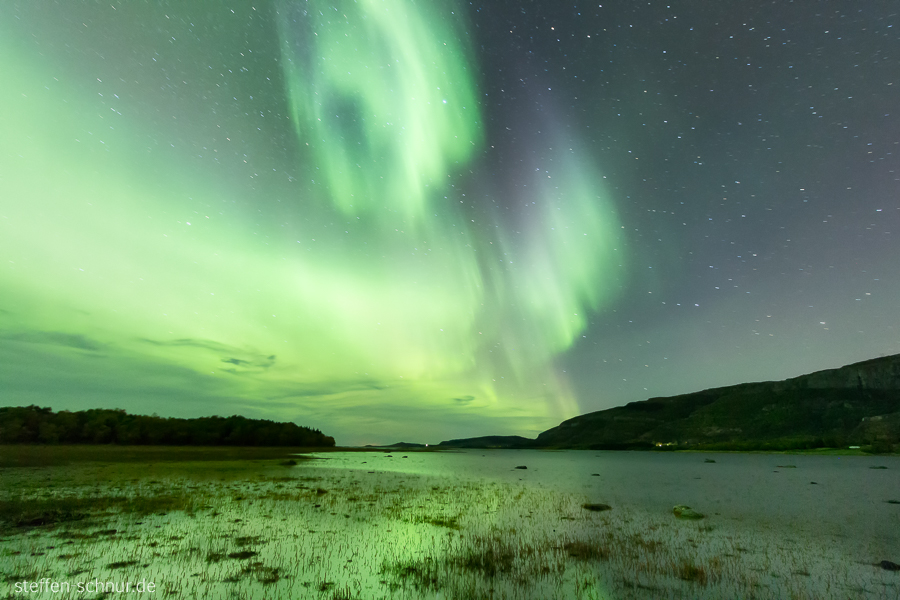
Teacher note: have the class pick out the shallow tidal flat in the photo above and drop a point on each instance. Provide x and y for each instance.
(468, 524)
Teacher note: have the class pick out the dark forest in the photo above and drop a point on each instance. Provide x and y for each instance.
(35, 425)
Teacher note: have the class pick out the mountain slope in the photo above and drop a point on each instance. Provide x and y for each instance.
(855, 404)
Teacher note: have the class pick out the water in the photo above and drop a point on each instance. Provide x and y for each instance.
(848, 501)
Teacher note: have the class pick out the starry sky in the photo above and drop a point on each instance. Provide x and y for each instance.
(396, 220)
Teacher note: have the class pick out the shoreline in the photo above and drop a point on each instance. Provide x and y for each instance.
(37, 455)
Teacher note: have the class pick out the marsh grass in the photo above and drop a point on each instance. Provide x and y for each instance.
(421, 574)
(688, 571)
(26, 511)
(256, 529)
(489, 556)
(586, 551)
(262, 573)
(438, 521)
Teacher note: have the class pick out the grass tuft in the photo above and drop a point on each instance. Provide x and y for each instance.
(582, 550)
(688, 571)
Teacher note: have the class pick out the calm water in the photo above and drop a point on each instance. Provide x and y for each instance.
(848, 503)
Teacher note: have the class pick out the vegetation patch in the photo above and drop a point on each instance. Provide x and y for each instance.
(688, 571)
(26, 516)
(36, 512)
(582, 550)
(247, 540)
(263, 573)
(439, 521)
(421, 574)
(488, 557)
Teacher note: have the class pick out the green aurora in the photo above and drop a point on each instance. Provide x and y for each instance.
(294, 226)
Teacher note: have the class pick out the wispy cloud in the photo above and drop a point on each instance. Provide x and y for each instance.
(246, 361)
(327, 388)
(53, 338)
(194, 343)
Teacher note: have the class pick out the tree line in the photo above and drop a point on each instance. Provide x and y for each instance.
(35, 425)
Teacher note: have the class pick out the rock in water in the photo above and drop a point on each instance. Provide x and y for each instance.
(686, 512)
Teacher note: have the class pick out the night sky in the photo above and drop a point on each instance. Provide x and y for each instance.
(420, 221)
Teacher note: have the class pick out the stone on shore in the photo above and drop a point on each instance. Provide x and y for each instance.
(686, 512)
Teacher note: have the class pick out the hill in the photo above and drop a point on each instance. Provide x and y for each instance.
(858, 404)
(489, 441)
(398, 445)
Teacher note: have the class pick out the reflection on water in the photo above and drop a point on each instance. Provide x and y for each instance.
(841, 496)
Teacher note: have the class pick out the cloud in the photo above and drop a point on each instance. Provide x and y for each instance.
(259, 363)
(247, 360)
(236, 361)
(194, 343)
(41, 374)
(54, 338)
(326, 388)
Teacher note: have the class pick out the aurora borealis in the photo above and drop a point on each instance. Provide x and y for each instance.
(396, 220)
(382, 95)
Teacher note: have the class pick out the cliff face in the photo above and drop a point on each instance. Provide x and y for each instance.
(858, 404)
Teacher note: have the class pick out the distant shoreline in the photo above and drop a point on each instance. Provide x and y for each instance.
(40, 455)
